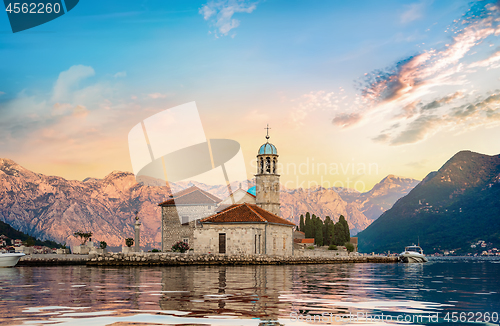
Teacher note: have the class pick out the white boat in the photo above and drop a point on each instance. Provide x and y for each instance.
(10, 259)
(413, 254)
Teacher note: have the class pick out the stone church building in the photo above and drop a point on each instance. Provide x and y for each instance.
(181, 214)
(243, 223)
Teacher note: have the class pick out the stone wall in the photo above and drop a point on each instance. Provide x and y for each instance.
(173, 230)
(245, 239)
(268, 192)
(279, 240)
(239, 239)
(176, 259)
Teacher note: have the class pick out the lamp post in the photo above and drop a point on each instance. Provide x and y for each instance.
(137, 227)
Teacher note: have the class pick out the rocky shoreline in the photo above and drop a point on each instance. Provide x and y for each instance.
(53, 260)
(170, 259)
(177, 259)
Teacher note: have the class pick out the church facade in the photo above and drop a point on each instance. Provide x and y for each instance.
(243, 223)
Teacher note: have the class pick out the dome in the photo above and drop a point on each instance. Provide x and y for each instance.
(268, 148)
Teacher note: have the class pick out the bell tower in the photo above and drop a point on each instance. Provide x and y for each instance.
(267, 178)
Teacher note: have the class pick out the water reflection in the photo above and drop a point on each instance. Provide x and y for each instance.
(242, 295)
(247, 291)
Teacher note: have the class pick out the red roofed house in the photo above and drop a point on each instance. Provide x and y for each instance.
(244, 229)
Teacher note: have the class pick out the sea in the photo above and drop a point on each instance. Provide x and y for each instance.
(446, 290)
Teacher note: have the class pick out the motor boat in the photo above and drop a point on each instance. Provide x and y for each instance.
(10, 259)
(413, 254)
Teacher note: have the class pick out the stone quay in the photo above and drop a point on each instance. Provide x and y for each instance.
(177, 259)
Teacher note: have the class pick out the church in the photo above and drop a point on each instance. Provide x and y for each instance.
(243, 223)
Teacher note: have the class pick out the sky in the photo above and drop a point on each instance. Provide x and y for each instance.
(365, 88)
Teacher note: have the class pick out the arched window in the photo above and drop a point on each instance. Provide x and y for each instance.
(261, 170)
(274, 165)
(268, 164)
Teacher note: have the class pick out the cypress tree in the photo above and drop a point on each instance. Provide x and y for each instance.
(318, 238)
(302, 226)
(313, 222)
(331, 231)
(347, 233)
(308, 226)
(326, 238)
(339, 234)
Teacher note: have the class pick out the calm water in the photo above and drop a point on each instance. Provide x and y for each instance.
(252, 295)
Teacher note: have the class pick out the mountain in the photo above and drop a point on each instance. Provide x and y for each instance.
(11, 233)
(449, 209)
(321, 202)
(381, 197)
(53, 208)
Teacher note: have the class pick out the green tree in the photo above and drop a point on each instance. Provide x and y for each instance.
(84, 236)
(331, 233)
(338, 234)
(30, 242)
(313, 222)
(129, 242)
(347, 232)
(326, 237)
(349, 246)
(308, 228)
(302, 225)
(318, 237)
(103, 244)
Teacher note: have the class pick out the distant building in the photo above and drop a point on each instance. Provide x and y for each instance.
(298, 235)
(354, 242)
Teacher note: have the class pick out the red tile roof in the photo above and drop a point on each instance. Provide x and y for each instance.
(191, 196)
(303, 241)
(249, 213)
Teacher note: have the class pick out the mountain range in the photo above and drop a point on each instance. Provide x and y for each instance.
(53, 208)
(449, 210)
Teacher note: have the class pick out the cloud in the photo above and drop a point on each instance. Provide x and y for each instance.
(419, 90)
(80, 111)
(121, 74)
(70, 78)
(382, 138)
(417, 130)
(445, 100)
(347, 119)
(490, 106)
(220, 14)
(408, 110)
(461, 118)
(414, 12)
(416, 74)
(27, 119)
(492, 62)
(157, 95)
(2, 93)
